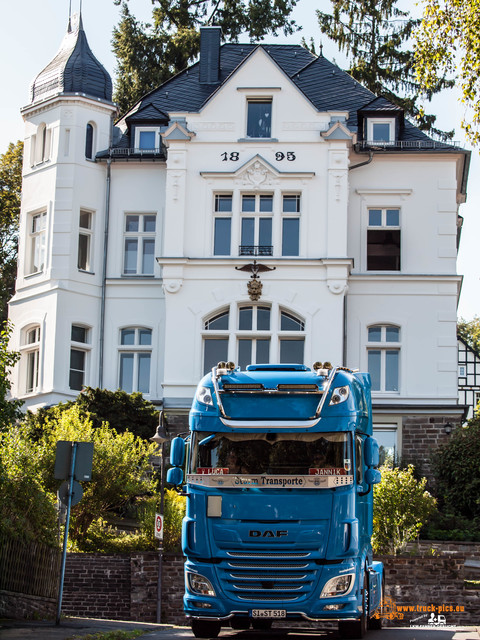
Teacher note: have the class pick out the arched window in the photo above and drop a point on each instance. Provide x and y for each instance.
(89, 141)
(383, 353)
(41, 144)
(30, 353)
(291, 338)
(253, 334)
(135, 354)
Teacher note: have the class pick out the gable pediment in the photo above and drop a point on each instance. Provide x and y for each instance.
(256, 173)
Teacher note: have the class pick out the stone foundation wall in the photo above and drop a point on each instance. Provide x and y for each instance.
(19, 605)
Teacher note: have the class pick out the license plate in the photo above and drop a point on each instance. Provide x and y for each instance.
(269, 613)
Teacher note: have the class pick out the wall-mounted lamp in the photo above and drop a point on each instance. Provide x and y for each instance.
(448, 428)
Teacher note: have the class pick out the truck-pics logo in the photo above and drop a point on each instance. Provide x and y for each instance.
(267, 533)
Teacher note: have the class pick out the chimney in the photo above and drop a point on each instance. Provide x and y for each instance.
(210, 54)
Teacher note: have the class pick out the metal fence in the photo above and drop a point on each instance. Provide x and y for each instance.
(29, 568)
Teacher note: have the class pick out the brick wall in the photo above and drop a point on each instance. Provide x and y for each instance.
(421, 435)
(420, 582)
(123, 587)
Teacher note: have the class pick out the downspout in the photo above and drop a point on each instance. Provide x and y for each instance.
(362, 164)
(344, 346)
(104, 275)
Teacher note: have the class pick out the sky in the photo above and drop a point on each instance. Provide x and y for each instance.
(31, 32)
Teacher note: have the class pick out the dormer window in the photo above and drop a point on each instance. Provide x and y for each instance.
(259, 118)
(381, 130)
(147, 138)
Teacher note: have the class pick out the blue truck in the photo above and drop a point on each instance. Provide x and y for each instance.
(280, 468)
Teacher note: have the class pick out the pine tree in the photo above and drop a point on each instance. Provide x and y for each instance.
(149, 54)
(375, 35)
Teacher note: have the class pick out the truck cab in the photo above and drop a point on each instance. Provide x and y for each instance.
(280, 469)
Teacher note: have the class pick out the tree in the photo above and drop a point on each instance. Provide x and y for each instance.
(375, 35)
(9, 409)
(123, 411)
(10, 196)
(401, 506)
(456, 469)
(121, 466)
(149, 54)
(448, 40)
(469, 330)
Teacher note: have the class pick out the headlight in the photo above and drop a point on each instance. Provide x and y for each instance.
(338, 586)
(199, 584)
(204, 396)
(340, 394)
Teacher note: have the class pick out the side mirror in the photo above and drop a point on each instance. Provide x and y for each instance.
(177, 452)
(372, 457)
(373, 476)
(175, 476)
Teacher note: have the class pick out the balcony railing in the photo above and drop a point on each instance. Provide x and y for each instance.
(406, 145)
(119, 152)
(255, 250)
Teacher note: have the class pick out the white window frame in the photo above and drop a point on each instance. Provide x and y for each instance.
(259, 99)
(233, 333)
(85, 348)
(140, 237)
(30, 355)
(37, 239)
(222, 215)
(383, 346)
(297, 215)
(139, 131)
(386, 425)
(256, 215)
(41, 145)
(383, 227)
(137, 350)
(378, 120)
(87, 234)
(94, 140)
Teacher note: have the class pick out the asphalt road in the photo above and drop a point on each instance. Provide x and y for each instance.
(77, 628)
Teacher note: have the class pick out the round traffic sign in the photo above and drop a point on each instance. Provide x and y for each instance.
(158, 526)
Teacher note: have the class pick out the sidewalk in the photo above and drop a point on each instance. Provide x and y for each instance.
(79, 627)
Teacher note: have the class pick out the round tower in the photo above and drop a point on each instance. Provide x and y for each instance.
(57, 301)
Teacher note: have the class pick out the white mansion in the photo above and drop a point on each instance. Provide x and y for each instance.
(133, 235)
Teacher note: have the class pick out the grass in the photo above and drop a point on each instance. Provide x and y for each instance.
(111, 635)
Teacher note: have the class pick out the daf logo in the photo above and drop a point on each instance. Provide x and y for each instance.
(253, 533)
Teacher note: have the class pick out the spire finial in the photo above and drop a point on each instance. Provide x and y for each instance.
(69, 27)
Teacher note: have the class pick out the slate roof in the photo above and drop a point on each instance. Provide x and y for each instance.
(328, 87)
(73, 70)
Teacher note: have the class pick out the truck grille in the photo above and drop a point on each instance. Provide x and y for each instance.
(268, 577)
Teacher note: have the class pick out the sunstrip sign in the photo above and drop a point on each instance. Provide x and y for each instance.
(328, 472)
(231, 480)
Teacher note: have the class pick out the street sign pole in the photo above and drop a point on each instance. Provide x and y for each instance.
(67, 522)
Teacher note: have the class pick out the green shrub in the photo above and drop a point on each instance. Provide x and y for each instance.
(27, 510)
(451, 527)
(401, 507)
(456, 467)
(174, 512)
(121, 467)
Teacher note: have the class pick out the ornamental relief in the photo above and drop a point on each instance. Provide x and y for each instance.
(257, 175)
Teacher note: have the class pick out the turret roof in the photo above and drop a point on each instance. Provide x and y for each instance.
(73, 70)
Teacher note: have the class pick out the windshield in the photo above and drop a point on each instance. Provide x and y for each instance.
(271, 453)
